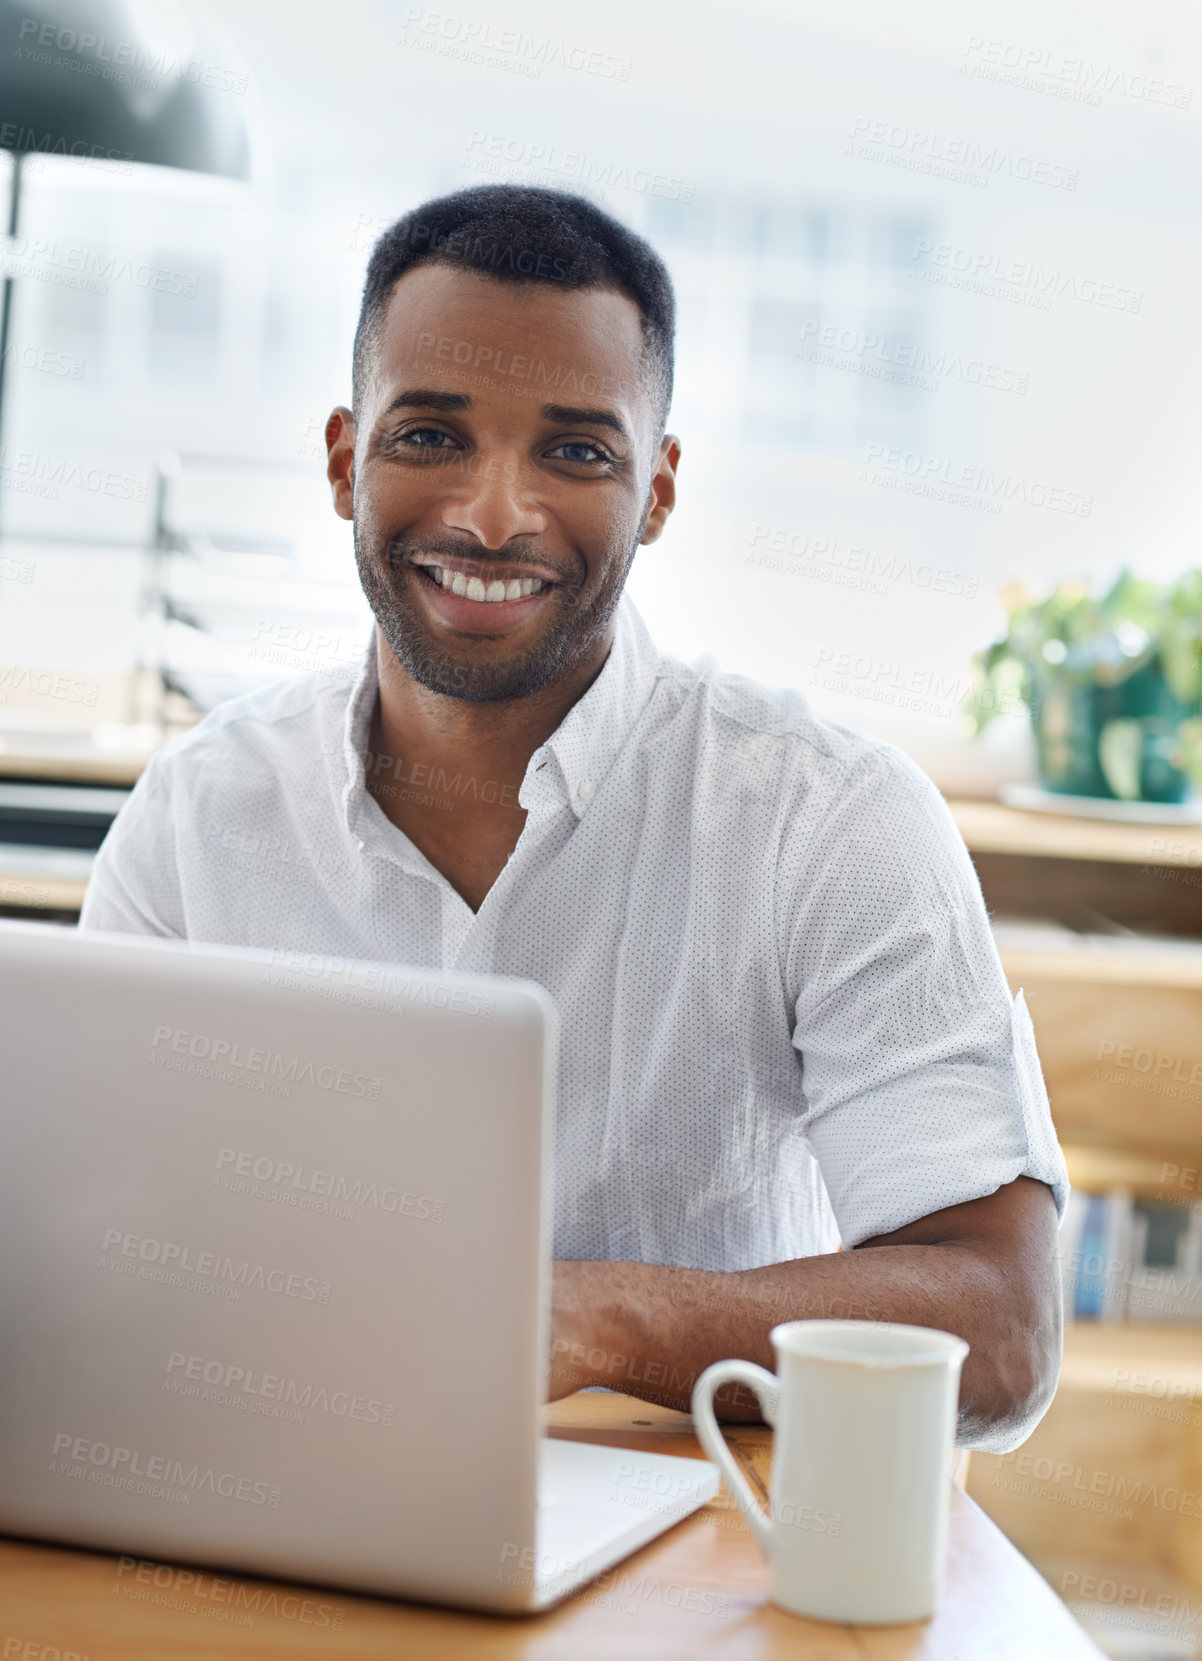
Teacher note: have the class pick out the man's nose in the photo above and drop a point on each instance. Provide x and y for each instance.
(491, 500)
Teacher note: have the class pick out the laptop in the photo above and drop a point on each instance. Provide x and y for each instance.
(275, 1286)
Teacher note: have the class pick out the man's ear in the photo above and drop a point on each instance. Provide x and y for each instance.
(340, 460)
(663, 489)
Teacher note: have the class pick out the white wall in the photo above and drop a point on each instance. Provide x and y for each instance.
(764, 118)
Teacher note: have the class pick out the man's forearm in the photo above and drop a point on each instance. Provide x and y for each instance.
(651, 1331)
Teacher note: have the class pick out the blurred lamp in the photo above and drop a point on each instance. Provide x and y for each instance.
(118, 81)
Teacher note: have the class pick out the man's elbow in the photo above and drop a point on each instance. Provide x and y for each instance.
(1017, 1392)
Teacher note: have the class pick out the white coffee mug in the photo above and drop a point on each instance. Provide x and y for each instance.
(865, 1421)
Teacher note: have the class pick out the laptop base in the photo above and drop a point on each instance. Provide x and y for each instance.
(596, 1505)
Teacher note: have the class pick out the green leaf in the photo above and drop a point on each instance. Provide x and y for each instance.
(1120, 750)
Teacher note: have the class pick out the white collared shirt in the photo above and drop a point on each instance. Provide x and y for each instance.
(783, 1022)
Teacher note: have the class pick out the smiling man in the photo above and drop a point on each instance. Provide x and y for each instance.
(784, 1027)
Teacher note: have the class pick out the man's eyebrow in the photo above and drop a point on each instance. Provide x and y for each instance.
(570, 415)
(424, 397)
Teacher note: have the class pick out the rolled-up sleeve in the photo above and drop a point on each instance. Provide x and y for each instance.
(920, 1082)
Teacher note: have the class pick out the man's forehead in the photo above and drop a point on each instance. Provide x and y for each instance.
(438, 314)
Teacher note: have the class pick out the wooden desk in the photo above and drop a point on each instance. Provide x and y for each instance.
(701, 1589)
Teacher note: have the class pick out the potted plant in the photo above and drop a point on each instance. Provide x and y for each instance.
(1113, 684)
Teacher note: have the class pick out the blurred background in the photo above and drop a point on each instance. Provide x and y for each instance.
(937, 387)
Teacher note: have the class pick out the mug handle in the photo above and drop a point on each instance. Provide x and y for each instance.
(766, 1387)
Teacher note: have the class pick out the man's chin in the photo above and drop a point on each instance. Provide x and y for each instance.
(483, 673)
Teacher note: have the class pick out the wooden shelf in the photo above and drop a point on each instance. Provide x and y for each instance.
(1095, 1351)
(1098, 959)
(990, 827)
(1118, 1025)
(1101, 1170)
(40, 893)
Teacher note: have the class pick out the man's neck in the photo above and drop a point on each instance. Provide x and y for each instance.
(447, 772)
(487, 741)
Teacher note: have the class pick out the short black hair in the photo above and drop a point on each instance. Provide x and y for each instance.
(525, 234)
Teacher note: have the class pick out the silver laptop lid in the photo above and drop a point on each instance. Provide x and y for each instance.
(274, 1286)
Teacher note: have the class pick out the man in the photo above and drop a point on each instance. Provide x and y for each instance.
(784, 1024)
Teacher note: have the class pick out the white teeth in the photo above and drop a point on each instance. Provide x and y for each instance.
(473, 588)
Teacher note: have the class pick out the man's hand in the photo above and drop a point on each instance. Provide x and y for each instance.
(987, 1270)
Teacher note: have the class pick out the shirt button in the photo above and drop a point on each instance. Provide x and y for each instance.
(586, 790)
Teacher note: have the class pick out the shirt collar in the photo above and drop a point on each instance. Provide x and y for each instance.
(593, 733)
(570, 765)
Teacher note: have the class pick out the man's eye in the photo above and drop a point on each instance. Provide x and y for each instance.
(581, 444)
(422, 438)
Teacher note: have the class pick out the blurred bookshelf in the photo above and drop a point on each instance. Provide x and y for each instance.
(1100, 924)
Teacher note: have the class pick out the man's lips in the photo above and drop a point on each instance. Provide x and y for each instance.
(487, 571)
(476, 616)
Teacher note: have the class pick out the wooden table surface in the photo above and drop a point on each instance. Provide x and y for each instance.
(701, 1589)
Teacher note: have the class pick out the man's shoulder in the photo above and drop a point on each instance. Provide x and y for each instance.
(749, 718)
(302, 713)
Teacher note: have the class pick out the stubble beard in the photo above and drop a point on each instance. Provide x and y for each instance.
(569, 631)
